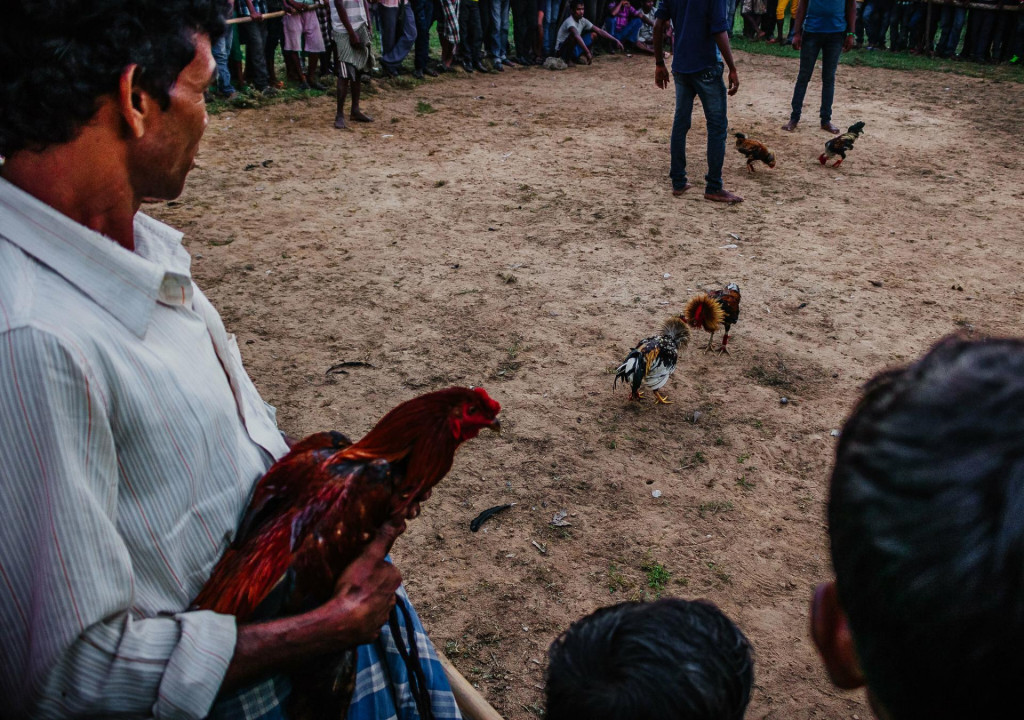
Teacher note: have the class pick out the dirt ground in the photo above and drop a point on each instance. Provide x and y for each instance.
(522, 237)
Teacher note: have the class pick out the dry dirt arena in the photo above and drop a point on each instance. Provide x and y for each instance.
(522, 237)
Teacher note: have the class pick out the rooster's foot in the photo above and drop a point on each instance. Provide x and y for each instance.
(658, 399)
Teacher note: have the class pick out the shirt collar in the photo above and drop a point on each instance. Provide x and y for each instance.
(126, 284)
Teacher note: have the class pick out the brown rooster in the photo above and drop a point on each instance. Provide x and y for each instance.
(754, 151)
(318, 506)
(712, 310)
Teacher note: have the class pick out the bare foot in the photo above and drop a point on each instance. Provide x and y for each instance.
(339, 122)
(358, 116)
(723, 196)
(829, 127)
(676, 192)
(790, 126)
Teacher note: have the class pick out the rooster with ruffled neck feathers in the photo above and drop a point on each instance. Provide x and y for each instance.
(318, 506)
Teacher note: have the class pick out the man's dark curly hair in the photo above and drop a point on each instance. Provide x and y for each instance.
(672, 659)
(59, 57)
(926, 521)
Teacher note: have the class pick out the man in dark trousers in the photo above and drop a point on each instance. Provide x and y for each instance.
(824, 27)
(701, 44)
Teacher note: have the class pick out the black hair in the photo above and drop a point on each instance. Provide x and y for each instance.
(59, 57)
(667, 659)
(926, 520)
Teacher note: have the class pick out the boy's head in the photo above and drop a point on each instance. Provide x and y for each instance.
(926, 520)
(577, 10)
(648, 6)
(634, 661)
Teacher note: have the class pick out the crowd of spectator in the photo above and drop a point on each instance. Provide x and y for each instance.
(982, 31)
(488, 36)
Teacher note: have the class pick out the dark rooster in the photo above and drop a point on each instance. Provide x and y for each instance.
(841, 144)
(317, 507)
(712, 310)
(754, 151)
(653, 360)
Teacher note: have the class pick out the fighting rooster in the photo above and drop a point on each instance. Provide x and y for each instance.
(712, 310)
(754, 151)
(841, 144)
(316, 508)
(653, 360)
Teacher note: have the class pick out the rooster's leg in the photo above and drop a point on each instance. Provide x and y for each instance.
(725, 341)
(707, 348)
(750, 166)
(838, 162)
(658, 399)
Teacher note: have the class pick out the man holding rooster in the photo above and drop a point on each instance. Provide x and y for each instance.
(130, 433)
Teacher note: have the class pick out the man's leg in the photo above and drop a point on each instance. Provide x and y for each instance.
(631, 31)
(808, 57)
(831, 49)
(680, 127)
(343, 73)
(221, 51)
(713, 95)
(424, 19)
(255, 34)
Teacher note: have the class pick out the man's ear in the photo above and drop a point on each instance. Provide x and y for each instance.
(133, 102)
(831, 634)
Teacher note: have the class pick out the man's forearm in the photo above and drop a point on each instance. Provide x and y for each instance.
(659, 41)
(851, 15)
(722, 40)
(801, 13)
(264, 649)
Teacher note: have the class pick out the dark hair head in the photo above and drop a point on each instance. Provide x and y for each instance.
(58, 57)
(926, 519)
(635, 661)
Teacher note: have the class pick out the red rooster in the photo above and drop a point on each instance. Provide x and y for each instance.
(712, 310)
(317, 507)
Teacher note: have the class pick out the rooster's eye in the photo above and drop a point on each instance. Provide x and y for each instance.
(471, 410)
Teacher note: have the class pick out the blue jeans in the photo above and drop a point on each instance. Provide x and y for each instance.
(709, 87)
(628, 33)
(499, 29)
(551, 9)
(424, 10)
(221, 50)
(952, 24)
(570, 49)
(830, 45)
(397, 34)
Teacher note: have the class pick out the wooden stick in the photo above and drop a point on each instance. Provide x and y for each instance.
(469, 700)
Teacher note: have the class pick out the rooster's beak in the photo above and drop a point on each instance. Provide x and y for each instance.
(495, 426)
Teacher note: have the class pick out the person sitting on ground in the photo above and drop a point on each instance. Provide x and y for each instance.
(576, 35)
(353, 55)
(624, 22)
(645, 38)
(927, 538)
(671, 659)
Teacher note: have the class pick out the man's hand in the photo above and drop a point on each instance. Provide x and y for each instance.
(621, 46)
(589, 56)
(848, 43)
(798, 40)
(661, 76)
(257, 17)
(355, 41)
(734, 81)
(365, 592)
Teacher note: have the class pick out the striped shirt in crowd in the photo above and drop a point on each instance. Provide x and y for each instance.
(130, 437)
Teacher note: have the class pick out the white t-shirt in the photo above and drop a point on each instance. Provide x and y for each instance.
(582, 25)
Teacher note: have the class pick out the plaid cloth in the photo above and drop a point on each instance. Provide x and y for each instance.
(450, 26)
(382, 684)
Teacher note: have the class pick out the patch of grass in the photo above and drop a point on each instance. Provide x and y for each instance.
(714, 507)
(424, 108)
(742, 458)
(616, 580)
(699, 459)
(719, 572)
(657, 577)
(744, 483)
(440, 183)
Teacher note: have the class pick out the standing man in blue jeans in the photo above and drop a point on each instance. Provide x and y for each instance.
(701, 44)
(826, 27)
